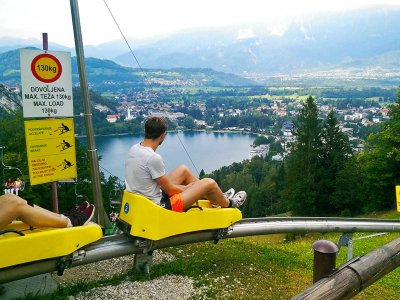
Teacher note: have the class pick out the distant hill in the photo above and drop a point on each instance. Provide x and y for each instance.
(99, 71)
(9, 43)
(106, 75)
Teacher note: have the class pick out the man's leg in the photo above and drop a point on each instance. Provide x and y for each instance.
(205, 187)
(12, 206)
(182, 175)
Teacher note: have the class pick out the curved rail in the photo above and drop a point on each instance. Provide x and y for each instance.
(271, 225)
(121, 244)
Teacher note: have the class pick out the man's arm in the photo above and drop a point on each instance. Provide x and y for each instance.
(168, 186)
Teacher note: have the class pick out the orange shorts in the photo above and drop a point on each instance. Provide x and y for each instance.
(176, 202)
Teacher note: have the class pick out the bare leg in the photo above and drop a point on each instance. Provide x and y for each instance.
(199, 189)
(12, 206)
(47, 211)
(205, 187)
(182, 175)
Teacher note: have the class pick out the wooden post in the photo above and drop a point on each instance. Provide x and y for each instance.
(356, 275)
(324, 259)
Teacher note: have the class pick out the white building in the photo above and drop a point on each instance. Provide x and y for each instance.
(347, 131)
(277, 157)
(129, 114)
(260, 151)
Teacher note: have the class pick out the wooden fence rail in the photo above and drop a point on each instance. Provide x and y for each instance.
(357, 274)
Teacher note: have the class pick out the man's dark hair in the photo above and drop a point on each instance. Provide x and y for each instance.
(154, 127)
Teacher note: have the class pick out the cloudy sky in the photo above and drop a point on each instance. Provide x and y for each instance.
(150, 18)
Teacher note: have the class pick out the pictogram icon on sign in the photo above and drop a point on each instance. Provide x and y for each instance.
(46, 68)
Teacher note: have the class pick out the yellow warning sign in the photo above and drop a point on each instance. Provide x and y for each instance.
(398, 197)
(50, 146)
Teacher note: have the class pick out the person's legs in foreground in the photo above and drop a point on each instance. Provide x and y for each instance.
(12, 207)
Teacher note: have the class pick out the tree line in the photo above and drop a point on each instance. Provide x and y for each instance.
(321, 176)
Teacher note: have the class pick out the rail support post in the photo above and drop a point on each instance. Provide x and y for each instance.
(324, 259)
(143, 262)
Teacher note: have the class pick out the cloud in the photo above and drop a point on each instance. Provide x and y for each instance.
(245, 34)
(279, 29)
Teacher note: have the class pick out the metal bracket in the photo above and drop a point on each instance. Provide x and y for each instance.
(78, 255)
(146, 245)
(345, 265)
(221, 233)
(346, 240)
(66, 261)
(62, 264)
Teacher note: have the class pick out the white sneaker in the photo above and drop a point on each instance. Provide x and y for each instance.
(238, 199)
(229, 193)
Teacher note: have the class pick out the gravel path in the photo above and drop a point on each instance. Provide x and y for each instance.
(105, 269)
(165, 287)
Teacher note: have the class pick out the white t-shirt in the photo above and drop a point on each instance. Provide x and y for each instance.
(142, 167)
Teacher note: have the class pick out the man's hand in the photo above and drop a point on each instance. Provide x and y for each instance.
(168, 186)
(185, 187)
(189, 185)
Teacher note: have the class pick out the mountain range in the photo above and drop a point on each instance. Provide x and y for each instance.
(106, 75)
(358, 38)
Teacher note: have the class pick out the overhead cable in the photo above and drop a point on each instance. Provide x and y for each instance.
(145, 76)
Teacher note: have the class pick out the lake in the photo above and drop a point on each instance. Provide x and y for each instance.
(207, 150)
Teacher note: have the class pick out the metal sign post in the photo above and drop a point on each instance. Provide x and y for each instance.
(54, 192)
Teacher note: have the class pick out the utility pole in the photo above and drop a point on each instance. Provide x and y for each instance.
(102, 219)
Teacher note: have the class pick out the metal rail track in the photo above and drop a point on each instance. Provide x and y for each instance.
(122, 244)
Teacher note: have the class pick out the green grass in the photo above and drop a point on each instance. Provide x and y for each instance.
(108, 95)
(258, 267)
(266, 267)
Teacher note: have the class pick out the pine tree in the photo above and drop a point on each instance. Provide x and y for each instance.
(303, 163)
(380, 164)
(346, 200)
(202, 173)
(335, 153)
